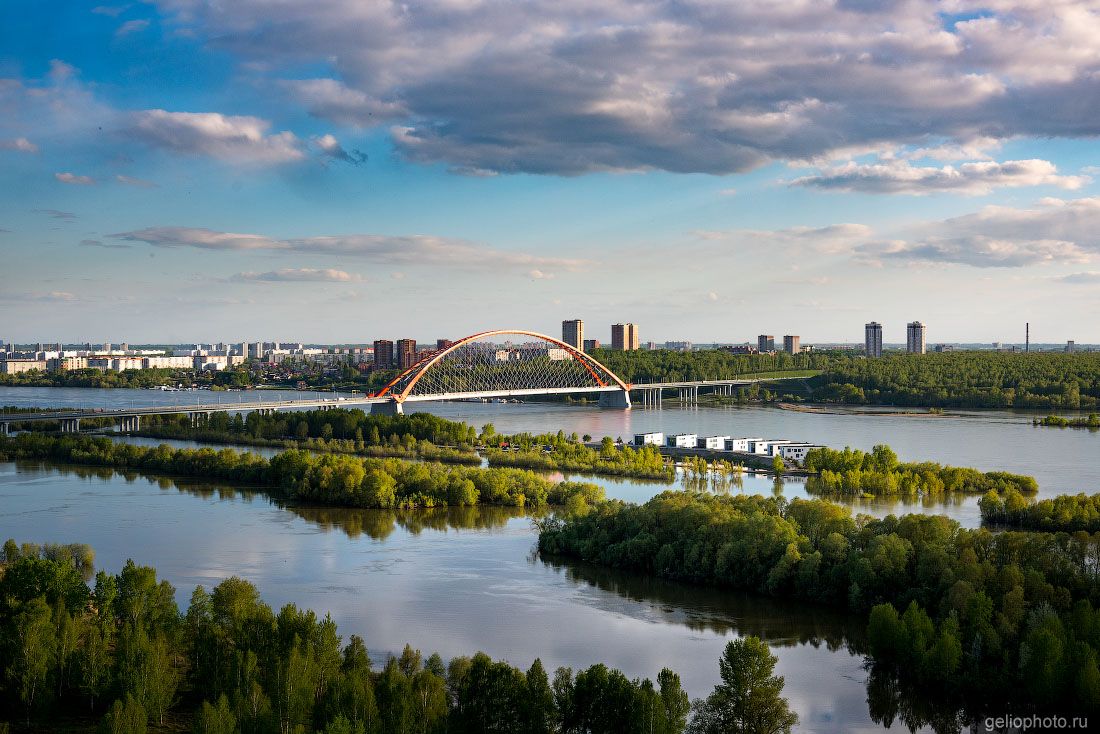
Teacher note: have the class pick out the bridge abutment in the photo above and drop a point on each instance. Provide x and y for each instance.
(390, 407)
(619, 399)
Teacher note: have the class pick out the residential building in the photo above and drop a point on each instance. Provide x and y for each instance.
(590, 344)
(441, 344)
(740, 444)
(683, 441)
(651, 346)
(679, 346)
(406, 353)
(17, 366)
(872, 339)
(792, 344)
(572, 333)
(797, 451)
(714, 443)
(765, 343)
(742, 349)
(914, 337)
(383, 354)
(624, 337)
(655, 439)
(1070, 347)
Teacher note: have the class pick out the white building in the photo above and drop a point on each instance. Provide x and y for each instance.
(655, 439)
(740, 444)
(171, 363)
(771, 448)
(914, 337)
(714, 443)
(797, 451)
(683, 440)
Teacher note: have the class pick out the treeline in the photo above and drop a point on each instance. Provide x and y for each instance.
(965, 380)
(556, 451)
(416, 435)
(663, 365)
(1057, 421)
(880, 474)
(121, 650)
(332, 479)
(100, 378)
(1064, 513)
(993, 617)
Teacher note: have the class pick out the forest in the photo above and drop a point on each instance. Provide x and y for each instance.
(100, 378)
(119, 653)
(1007, 617)
(1056, 421)
(556, 451)
(1064, 513)
(331, 479)
(878, 473)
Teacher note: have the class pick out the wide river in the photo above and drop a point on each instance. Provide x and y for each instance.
(458, 581)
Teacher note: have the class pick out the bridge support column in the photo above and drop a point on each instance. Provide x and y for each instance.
(70, 425)
(5, 429)
(392, 407)
(615, 399)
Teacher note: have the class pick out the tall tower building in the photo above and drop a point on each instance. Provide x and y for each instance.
(572, 333)
(406, 353)
(872, 339)
(765, 343)
(624, 337)
(792, 344)
(914, 337)
(383, 353)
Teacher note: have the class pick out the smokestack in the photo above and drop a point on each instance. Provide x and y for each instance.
(1027, 336)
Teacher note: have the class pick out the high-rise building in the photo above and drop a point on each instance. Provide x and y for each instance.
(624, 337)
(441, 344)
(792, 344)
(765, 343)
(383, 354)
(406, 353)
(872, 339)
(590, 344)
(1070, 347)
(914, 337)
(572, 333)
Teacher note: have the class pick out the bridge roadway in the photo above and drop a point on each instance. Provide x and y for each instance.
(130, 418)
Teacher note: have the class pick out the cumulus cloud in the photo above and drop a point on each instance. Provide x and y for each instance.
(561, 87)
(21, 144)
(72, 178)
(901, 177)
(232, 138)
(382, 249)
(331, 148)
(1056, 231)
(300, 275)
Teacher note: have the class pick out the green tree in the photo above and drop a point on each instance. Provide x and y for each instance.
(749, 699)
(124, 717)
(33, 654)
(215, 719)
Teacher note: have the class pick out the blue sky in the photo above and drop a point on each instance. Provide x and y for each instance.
(344, 170)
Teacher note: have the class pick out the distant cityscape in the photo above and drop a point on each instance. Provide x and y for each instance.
(401, 354)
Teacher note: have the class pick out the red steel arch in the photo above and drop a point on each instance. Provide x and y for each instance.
(601, 374)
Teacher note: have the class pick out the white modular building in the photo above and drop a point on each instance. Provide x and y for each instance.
(683, 440)
(714, 443)
(740, 444)
(655, 439)
(797, 451)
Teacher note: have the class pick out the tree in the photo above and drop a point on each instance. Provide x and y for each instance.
(125, 717)
(778, 465)
(34, 650)
(749, 699)
(675, 701)
(216, 719)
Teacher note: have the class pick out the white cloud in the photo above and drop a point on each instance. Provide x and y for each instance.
(564, 87)
(21, 144)
(131, 26)
(131, 181)
(412, 250)
(72, 178)
(231, 138)
(1091, 277)
(901, 177)
(300, 275)
(330, 147)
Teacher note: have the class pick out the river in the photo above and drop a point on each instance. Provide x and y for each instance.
(457, 581)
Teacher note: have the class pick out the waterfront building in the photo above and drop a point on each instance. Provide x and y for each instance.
(383, 354)
(590, 344)
(740, 444)
(17, 366)
(624, 337)
(714, 443)
(683, 441)
(765, 343)
(406, 353)
(914, 337)
(792, 344)
(797, 451)
(572, 333)
(656, 439)
(872, 339)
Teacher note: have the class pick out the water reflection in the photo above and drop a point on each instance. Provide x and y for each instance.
(380, 524)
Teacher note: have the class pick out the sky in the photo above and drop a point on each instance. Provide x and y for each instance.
(345, 170)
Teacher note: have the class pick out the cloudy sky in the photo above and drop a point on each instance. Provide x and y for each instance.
(342, 170)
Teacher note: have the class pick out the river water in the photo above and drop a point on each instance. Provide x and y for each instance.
(457, 581)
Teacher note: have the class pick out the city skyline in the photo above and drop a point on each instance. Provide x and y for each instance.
(171, 165)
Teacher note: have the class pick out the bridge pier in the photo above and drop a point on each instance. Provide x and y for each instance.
(70, 425)
(5, 429)
(129, 423)
(392, 407)
(199, 417)
(619, 399)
